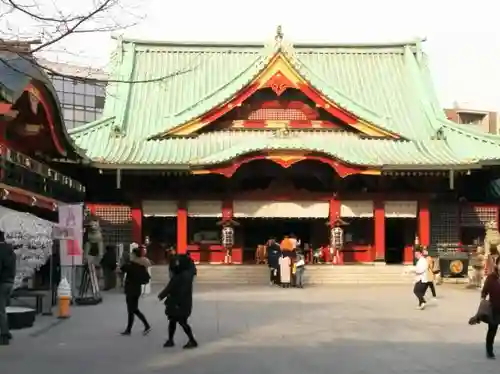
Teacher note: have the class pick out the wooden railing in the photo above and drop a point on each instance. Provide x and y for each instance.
(19, 170)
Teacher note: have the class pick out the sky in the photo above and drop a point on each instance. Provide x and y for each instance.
(463, 37)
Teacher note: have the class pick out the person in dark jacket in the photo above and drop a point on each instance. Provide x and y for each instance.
(8, 262)
(179, 299)
(136, 275)
(273, 255)
(108, 264)
(491, 289)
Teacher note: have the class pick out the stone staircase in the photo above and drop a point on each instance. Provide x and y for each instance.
(315, 274)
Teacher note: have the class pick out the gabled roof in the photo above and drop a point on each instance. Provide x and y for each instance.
(161, 86)
(17, 71)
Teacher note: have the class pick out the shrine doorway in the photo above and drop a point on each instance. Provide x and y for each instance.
(256, 231)
(399, 233)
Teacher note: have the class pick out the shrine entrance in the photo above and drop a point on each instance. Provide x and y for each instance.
(399, 234)
(253, 232)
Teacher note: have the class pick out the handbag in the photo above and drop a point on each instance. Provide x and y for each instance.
(484, 313)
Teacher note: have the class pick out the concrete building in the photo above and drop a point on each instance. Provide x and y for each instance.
(479, 119)
(81, 101)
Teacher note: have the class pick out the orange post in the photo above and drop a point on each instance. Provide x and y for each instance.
(64, 299)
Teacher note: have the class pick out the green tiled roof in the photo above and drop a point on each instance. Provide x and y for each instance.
(387, 85)
(217, 147)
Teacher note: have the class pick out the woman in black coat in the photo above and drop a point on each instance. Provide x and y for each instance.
(136, 275)
(179, 298)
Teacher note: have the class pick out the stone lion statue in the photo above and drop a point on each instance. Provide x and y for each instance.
(93, 247)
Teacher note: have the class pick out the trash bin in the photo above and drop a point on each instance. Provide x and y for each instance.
(454, 264)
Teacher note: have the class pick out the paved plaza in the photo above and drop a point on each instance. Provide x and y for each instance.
(248, 330)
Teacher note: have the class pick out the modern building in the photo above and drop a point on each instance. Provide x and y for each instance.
(284, 138)
(486, 121)
(82, 101)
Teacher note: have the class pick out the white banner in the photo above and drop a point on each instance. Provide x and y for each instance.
(360, 209)
(204, 208)
(400, 209)
(281, 209)
(159, 208)
(71, 218)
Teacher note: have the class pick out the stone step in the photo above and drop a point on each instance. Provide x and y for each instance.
(322, 274)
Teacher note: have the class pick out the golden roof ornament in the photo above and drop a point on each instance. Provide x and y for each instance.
(279, 34)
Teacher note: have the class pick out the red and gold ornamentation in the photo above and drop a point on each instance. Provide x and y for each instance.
(286, 160)
(280, 75)
(279, 83)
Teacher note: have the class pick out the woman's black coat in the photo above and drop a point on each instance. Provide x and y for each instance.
(179, 291)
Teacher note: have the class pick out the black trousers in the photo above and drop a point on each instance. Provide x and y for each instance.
(490, 337)
(172, 327)
(432, 287)
(273, 275)
(132, 301)
(419, 290)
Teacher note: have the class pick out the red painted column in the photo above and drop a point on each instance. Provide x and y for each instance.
(182, 227)
(379, 232)
(424, 223)
(136, 214)
(333, 216)
(227, 209)
(334, 210)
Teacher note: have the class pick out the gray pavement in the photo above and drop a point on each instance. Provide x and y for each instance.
(343, 329)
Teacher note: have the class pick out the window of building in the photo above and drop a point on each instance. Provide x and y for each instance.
(80, 100)
(79, 115)
(68, 114)
(68, 86)
(99, 102)
(58, 84)
(90, 101)
(471, 118)
(68, 98)
(89, 116)
(90, 89)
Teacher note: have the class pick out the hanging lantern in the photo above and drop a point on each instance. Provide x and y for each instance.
(227, 237)
(336, 238)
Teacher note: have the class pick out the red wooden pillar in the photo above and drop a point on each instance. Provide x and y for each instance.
(136, 214)
(182, 227)
(424, 223)
(227, 209)
(379, 230)
(334, 211)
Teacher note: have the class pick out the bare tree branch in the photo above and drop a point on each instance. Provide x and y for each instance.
(54, 25)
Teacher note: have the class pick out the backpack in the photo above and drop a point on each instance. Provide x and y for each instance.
(144, 277)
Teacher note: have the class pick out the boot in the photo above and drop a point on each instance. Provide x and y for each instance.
(4, 340)
(191, 344)
(168, 344)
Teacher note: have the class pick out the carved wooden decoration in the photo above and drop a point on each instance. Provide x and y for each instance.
(279, 83)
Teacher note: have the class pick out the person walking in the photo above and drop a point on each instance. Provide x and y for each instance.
(178, 296)
(8, 262)
(491, 290)
(273, 255)
(431, 273)
(136, 275)
(421, 281)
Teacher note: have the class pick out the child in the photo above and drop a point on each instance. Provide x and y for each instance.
(300, 266)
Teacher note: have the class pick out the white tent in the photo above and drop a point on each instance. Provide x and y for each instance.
(31, 237)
